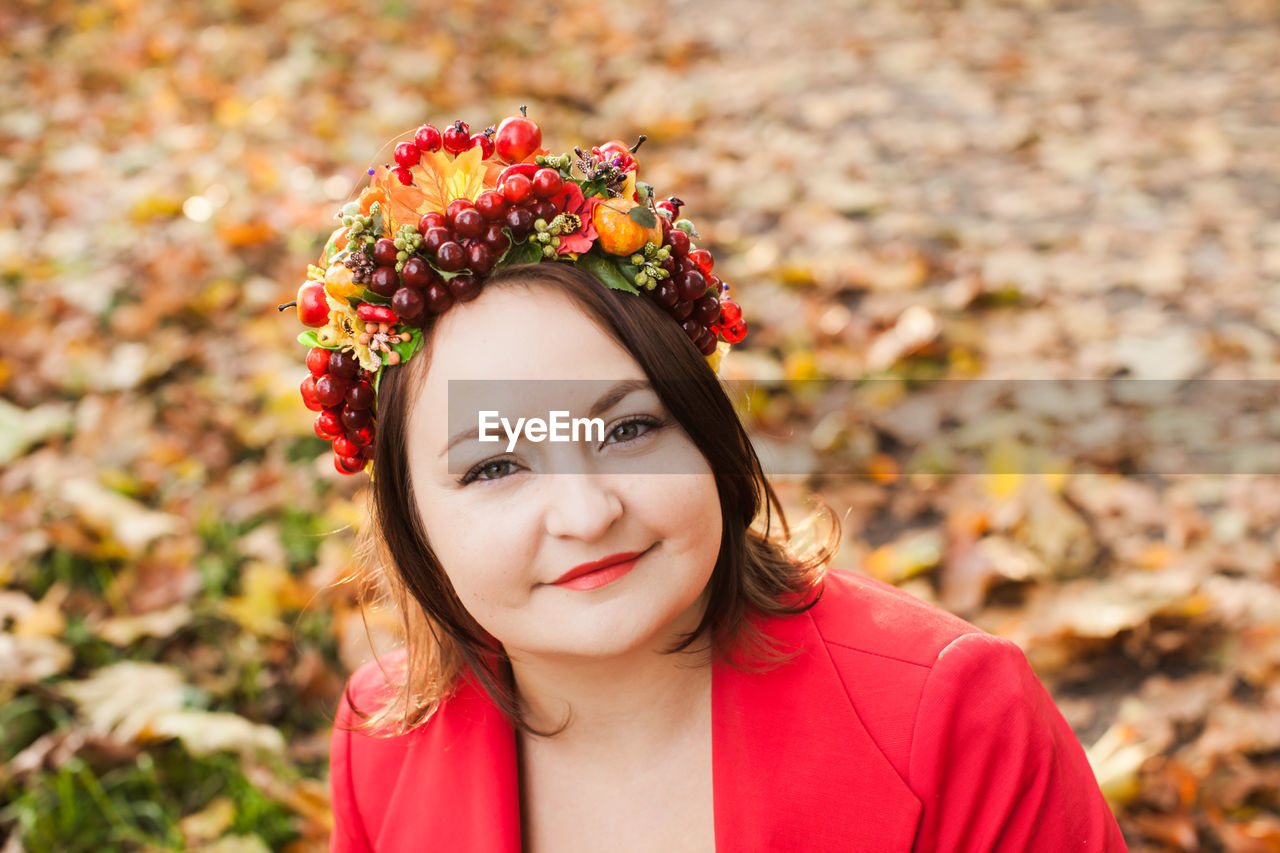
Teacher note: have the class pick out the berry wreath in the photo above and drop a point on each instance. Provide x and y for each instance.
(455, 207)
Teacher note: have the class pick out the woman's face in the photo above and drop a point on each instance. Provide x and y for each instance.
(507, 526)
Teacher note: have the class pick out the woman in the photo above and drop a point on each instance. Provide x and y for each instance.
(602, 651)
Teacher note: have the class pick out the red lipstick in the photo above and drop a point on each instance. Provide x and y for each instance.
(601, 572)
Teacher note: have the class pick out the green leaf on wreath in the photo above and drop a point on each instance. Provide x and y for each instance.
(642, 216)
(610, 271)
(309, 339)
(517, 254)
(409, 347)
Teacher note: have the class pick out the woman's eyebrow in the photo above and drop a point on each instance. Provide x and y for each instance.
(616, 393)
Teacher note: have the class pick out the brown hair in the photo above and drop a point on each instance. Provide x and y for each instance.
(754, 572)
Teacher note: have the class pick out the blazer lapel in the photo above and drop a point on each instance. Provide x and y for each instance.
(793, 766)
(459, 784)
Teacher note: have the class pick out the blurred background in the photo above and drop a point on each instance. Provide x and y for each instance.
(1014, 190)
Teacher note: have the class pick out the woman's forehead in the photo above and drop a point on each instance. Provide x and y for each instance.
(522, 333)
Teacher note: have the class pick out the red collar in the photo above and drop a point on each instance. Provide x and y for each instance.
(790, 755)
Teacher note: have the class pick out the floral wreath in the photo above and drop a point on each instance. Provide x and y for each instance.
(458, 206)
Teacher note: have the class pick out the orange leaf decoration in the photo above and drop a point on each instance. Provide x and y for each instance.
(437, 180)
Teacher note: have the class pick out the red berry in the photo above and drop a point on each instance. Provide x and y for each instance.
(407, 302)
(438, 298)
(404, 175)
(496, 239)
(734, 332)
(693, 329)
(517, 138)
(706, 310)
(666, 294)
(544, 209)
(516, 188)
(706, 344)
(546, 183)
(327, 425)
(457, 138)
(343, 364)
(417, 273)
(520, 221)
(451, 257)
(455, 207)
(464, 287)
(703, 259)
(691, 285)
(469, 223)
(407, 154)
(318, 361)
(730, 312)
(360, 395)
(384, 281)
(492, 205)
(343, 446)
(308, 389)
(485, 142)
(681, 310)
(330, 390)
(361, 436)
(354, 419)
(678, 241)
(349, 465)
(434, 238)
(384, 252)
(480, 258)
(427, 138)
(431, 220)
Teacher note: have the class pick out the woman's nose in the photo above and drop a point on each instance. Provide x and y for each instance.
(581, 506)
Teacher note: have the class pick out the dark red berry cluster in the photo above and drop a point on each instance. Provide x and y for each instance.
(694, 296)
(342, 393)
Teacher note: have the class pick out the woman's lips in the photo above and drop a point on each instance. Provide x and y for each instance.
(600, 572)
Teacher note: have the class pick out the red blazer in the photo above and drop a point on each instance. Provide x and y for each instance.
(897, 727)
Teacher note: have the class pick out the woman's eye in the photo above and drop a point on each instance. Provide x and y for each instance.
(494, 470)
(631, 430)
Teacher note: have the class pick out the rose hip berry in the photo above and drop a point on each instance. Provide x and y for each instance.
(457, 138)
(485, 143)
(427, 138)
(408, 154)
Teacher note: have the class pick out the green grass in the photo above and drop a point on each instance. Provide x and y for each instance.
(77, 809)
